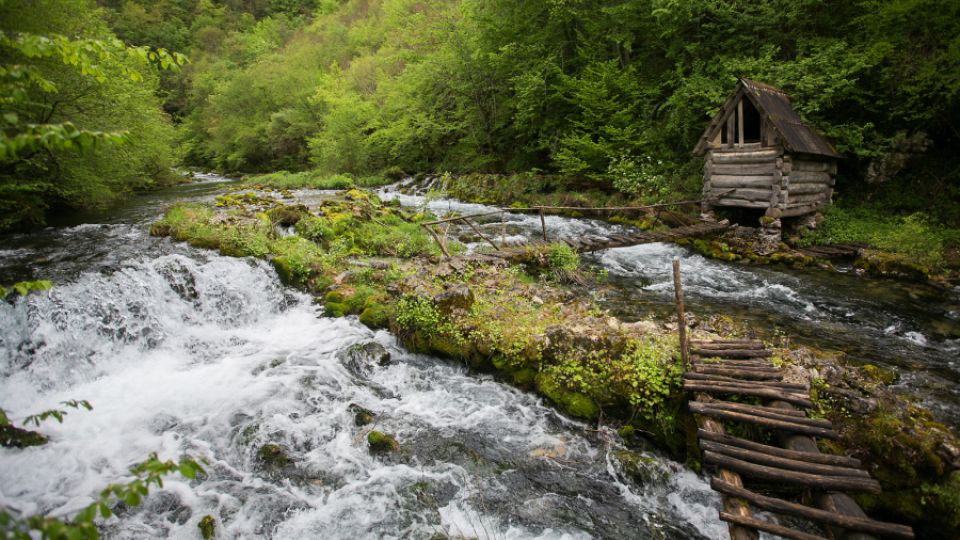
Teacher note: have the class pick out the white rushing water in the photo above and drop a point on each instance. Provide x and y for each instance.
(207, 356)
(906, 327)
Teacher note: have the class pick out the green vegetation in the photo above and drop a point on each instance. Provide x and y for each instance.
(149, 472)
(208, 527)
(314, 179)
(915, 241)
(365, 258)
(81, 120)
(23, 288)
(382, 442)
(592, 103)
(610, 95)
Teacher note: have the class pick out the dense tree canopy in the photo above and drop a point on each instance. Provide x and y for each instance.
(82, 122)
(613, 92)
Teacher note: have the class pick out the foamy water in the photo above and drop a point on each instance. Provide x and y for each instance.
(211, 357)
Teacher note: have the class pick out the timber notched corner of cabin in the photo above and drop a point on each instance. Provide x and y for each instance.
(759, 154)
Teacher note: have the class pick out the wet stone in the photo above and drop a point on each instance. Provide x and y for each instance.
(361, 359)
(163, 422)
(361, 416)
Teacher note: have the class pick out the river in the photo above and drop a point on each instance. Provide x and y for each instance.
(910, 328)
(185, 352)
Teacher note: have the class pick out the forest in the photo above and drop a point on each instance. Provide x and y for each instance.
(500, 343)
(606, 94)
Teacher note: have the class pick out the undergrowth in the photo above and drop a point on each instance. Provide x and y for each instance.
(915, 236)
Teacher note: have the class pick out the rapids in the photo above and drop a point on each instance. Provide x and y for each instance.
(185, 352)
(912, 329)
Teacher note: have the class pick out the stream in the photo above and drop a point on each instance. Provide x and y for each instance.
(910, 328)
(185, 352)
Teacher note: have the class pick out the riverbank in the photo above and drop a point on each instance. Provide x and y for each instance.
(527, 324)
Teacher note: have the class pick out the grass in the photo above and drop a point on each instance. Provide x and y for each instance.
(315, 180)
(914, 237)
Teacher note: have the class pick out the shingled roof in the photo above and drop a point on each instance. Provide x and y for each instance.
(774, 104)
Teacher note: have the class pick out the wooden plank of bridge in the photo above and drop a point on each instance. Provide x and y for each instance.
(798, 463)
(803, 467)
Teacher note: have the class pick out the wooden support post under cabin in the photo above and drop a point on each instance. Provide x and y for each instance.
(543, 224)
(433, 233)
(681, 316)
(831, 501)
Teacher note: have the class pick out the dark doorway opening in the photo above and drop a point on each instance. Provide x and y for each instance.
(751, 122)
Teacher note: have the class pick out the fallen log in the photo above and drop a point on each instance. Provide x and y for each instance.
(766, 526)
(744, 407)
(760, 458)
(787, 423)
(770, 374)
(705, 375)
(757, 391)
(813, 514)
(732, 353)
(811, 457)
(775, 474)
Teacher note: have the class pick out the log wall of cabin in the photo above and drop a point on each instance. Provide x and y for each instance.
(747, 178)
(809, 186)
(757, 177)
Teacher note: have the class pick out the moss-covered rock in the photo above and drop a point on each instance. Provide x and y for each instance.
(361, 416)
(376, 316)
(572, 403)
(640, 468)
(273, 456)
(14, 437)
(287, 216)
(208, 527)
(286, 271)
(381, 442)
(883, 264)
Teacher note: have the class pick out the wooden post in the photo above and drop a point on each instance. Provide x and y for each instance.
(543, 224)
(443, 248)
(740, 123)
(503, 227)
(476, 230)
(681, 318)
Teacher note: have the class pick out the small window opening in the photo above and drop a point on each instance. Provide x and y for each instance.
(751, 122)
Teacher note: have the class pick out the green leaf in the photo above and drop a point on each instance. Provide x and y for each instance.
(132, 498)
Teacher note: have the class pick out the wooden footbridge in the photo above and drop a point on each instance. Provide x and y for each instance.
(583, 244)
(717, 371)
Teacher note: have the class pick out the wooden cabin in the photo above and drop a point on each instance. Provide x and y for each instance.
(759, 154)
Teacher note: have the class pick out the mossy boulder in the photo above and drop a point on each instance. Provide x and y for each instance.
(457, 298)
(573, 403)
(376, 316)
(640, 468)
(286, 271)
(381, 442)
(14, 437)
(208, 527)
(882, 264)
(273, 456)
(879, 374)
(287, 216)
(361, 416)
